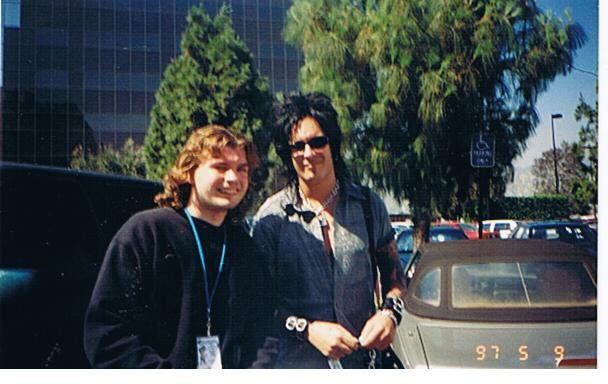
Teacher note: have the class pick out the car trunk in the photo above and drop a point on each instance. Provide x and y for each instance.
(505, 345)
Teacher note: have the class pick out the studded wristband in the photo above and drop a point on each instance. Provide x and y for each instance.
(298, 325)
(394, 304)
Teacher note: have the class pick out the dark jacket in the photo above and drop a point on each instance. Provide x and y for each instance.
(148, 305)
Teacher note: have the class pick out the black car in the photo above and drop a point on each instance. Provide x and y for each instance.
(572, 232)
(438, 234)
(55, 227)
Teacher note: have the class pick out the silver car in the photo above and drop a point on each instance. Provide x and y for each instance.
(499, 304)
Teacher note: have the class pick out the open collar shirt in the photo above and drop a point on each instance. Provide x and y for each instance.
(306, 283)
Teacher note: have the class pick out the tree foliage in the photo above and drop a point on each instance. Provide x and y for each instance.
(414, 80)
(541, 207)
(577, 164)
(127, 161)
(568, 169)
(586, 151)
(213, 80)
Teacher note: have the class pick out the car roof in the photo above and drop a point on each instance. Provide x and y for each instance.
(555, 223)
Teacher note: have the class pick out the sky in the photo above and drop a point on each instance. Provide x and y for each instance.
(562, 95)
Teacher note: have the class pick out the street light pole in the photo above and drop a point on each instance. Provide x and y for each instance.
(555, 116)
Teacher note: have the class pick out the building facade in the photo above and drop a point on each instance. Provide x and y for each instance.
(84, 72)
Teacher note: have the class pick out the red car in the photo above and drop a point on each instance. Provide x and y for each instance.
(470, 230)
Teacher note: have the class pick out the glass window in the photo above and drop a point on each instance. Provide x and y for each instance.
(153, 4)
(123, 102)
(91, 101)
(429, 288)
(44, 78)
(405, 242)
(76, 98)
(60, 79)
(76, 18)
(44, 16)
(52, 37)
(107, 102)
(11, 15)
(27, 121)
(11, 59)
(60, 17)
(27, 80)
(137, 62)
(106, 19)
(522, 285)
(152, 22)
(122, 4)
(138, 102)
(75, 39)
(60, 58)
(182, 5)
(91, 19)
(122, 21)
(137, 22)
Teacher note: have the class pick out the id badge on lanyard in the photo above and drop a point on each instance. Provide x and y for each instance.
(208, 354)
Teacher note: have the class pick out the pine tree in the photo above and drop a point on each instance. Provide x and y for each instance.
(213, 80)
(127, 161)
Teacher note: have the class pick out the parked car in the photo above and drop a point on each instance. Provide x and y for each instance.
(499, 304)
(498, 228)
(399, 227)
(572, 232)
(438, 234)
(55, 227)
(470, 231)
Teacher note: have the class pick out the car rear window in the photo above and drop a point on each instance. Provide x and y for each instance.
(428, 290)
(523, 285)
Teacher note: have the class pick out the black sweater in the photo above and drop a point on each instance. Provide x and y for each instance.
(149, 305)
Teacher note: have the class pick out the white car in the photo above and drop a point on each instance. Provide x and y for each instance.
(499, 228)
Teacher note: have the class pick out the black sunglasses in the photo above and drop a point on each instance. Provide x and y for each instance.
(315, 143)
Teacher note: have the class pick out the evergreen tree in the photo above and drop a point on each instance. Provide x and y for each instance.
(213, 80)
(586, 151)
(126, 161)
(414, 80)
(569, 172)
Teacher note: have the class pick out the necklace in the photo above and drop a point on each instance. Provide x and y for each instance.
(326, 202)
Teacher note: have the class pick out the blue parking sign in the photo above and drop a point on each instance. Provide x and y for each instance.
(482, 150)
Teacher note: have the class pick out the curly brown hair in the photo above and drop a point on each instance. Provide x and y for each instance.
(202, 143)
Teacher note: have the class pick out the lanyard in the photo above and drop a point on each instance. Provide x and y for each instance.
(219, 270)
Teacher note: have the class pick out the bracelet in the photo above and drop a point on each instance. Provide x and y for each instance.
(388, 313)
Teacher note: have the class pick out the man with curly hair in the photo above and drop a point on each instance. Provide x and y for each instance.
(179, 285)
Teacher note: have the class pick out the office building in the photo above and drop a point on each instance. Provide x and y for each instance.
(85, 71)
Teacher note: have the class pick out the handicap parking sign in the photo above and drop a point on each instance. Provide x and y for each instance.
(482, 150)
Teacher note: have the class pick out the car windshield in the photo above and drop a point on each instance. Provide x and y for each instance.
(522, 285)
(405, 241)
(569, 233)
(439, 235)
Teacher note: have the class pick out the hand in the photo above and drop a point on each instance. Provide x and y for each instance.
(331, 339)
(378, 332)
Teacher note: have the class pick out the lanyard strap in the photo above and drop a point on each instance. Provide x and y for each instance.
(208, 296)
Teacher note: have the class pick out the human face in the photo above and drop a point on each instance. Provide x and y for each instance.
(313, 165)
(219, 184)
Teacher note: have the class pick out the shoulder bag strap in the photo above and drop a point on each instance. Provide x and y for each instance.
(369, 224)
